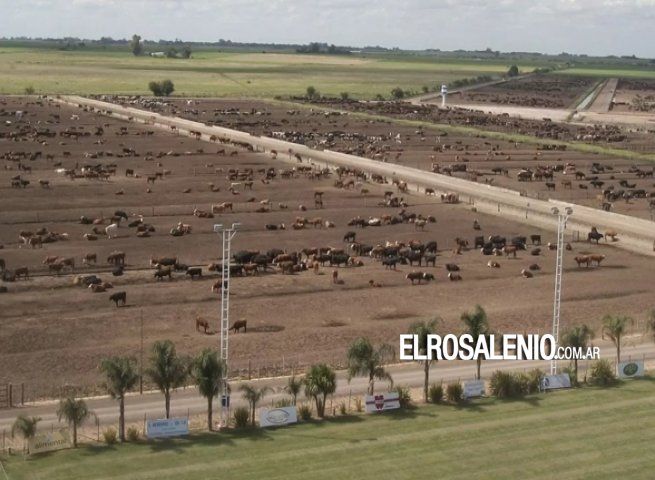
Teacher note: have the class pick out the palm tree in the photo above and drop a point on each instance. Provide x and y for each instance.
(75, 412)
(167, 370)
(650, 324)
(577, 337)
(26, 426)
(121, 378)
(320, 382)
(253, 395)
(477, 325)
(293, 387)
(422, 330)
(365, 360)
(615, 327)
(207, 371)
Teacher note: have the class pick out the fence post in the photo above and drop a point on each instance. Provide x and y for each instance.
(10, 400)
(22, 394)
(249, 369)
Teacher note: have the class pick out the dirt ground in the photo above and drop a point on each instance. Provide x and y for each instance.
(53, 333)
(628, 90)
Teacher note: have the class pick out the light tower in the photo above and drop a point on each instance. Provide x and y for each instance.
(562, 218)
(227, 235)
(444, 94)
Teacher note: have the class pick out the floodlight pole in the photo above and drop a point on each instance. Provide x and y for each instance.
(227, 234)
(562, 218)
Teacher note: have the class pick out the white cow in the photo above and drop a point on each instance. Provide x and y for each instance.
(111, 230)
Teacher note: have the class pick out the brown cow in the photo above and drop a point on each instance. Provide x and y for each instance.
(582, 259)
(510, 249)
(22, 271)
(90, 257)
(201, 322)
(238, 325)
(596, 258)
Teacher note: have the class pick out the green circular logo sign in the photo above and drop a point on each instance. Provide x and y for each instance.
(630, 369)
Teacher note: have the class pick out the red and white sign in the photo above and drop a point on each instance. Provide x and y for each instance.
(382, 402)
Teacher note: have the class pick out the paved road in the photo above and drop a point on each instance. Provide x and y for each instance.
(406, 374)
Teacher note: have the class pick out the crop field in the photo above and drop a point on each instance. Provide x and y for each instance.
(587, 433)
(224, 74)
(54, 332)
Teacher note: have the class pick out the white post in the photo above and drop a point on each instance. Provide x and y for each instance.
(561, 226)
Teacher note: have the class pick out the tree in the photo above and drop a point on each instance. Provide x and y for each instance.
(186, 52)
(155, 88)
(320, 382)
(312, 93)
(136, 46)
(344, 95)
(167, 87)
(293, 387)
(615, 327)
(75, 412)
(121, 378)
(365, 360)
(650, 324)
(477, 325)
(423, 329)
(513, 71)
(577, 337)
(397, 93)
(167, 370)
(253, 395)
(207, 371)
(26, 426)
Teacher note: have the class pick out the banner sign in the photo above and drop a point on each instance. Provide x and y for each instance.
(274, 417)
(552, 382)
(385, 401)
(631, 369)
(172, 427)
(473, 388)
(50, 441)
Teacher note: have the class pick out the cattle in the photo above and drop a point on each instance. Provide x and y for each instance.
(339, 259)
(3, 265)
(271, 226)
(550, 185)
(594, 235)
(507, 250)
(194, 272)
(451, 267)
(22, 271)
(535, 239)
(163, 272)
(454, 277)
(164, 261)
(116, 258)
(238, 325)
(44, 183)
(582, 259)
(97, 288)
(526, 273)
(111, 230)
(118, 297)
(420, 224)
(67, 262)
(418, 276)
(35, 241)
(373, 283)
(534, 267)
(430, 258)
(249, 268)
(49, 260)
(217, 286)
(222, 207)
(117, 271)
(611, 234)
(390, 262)
(596, 258)
(86, 280)
(90, 257)
(493, 264)
(201, 322)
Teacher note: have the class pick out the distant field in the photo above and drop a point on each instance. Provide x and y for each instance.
(225, 74)
(588, 433)
(610, 72)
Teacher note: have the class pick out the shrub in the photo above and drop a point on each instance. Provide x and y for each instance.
(435, 393)
(513, 385)
(29, 90)
(305, 412)
(284, 402)
(312, 93)
(602, 373)
(379, 97)
(163, 88)
(345, 96)
(241, 417)
(110, 435)
(454, 392)
(359, 405)
(404, 396)
(570, 371)
(343, 408)
(535, 377)
(133, 434)
(397, 93)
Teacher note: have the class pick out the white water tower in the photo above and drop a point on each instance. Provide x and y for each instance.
(444, 93)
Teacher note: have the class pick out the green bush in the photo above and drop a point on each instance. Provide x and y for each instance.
(398, 93)
(305, 412)
(404, 396)
(29, 90)
(241, 417)
(602, 373)
(359, 405)
(454, 392)
(133, 434)
(163, 88)
(284, 402)
(343, 408)
(345, 95)
(379, 97)
(535, 377)
(110, 435)
(511, 385)
(435, 393)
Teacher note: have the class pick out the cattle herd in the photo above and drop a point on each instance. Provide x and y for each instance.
(127, 212)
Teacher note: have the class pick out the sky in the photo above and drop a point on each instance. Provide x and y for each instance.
(593, 27)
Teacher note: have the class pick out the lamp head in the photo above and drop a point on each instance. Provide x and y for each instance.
(555, 210)
(569, 210)
(218, 228)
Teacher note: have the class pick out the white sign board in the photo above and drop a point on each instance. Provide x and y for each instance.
(382, 402)
(172, 427)
(274, 417)
(473, 388)
(50, 441)
(631, 369)
(552, 382)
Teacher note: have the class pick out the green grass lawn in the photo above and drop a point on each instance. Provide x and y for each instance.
(224, 74)
(585, 433)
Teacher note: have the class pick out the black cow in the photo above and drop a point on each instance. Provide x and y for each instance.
(390, 262)
(194, 272)
(118, 297)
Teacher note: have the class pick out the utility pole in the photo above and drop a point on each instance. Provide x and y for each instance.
(141, 359)
(227, 234)
(561, 226)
